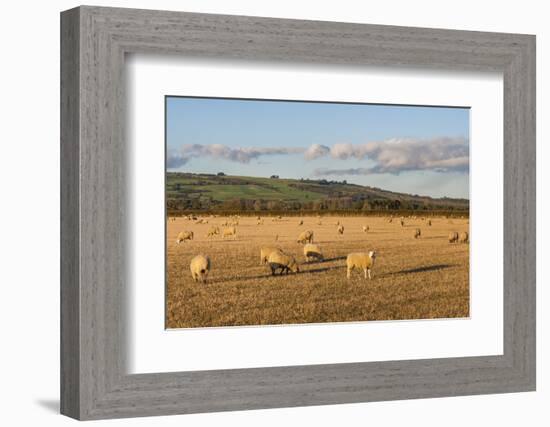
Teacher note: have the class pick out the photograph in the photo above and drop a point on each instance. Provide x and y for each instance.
(286, 212)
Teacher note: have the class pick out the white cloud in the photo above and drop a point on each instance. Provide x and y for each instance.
(400, 155)
(187, 152)
(315, 151)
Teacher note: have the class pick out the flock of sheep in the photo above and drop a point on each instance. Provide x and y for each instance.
(282, 262)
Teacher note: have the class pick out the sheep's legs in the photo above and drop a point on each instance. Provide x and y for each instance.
(369, 274)
(349, 273)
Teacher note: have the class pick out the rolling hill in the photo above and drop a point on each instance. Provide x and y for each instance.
(205, 192)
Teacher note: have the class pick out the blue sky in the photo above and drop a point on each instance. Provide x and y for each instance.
(412, 149)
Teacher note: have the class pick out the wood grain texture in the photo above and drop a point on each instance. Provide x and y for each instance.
(95, 274)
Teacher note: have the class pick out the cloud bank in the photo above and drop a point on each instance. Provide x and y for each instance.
(401, 155)
(176, 159)
(392, 156)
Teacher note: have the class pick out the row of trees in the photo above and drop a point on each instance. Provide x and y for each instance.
(327, 204)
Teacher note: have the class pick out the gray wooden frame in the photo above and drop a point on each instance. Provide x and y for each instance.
(94, 41)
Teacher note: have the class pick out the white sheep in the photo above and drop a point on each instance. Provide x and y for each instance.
(229, 232)
(183, 236)
(266, 251)
(361, 260)
(340, 229)
(305, 237)
(312, 251)
(200, 267)
(282, 261)
(453, 237)
(365, 228)
(463, 237)
(417, 233)
(213, 231)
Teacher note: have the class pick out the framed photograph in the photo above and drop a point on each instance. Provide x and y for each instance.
(261, 213)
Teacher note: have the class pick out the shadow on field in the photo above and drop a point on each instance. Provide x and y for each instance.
(325, 260)
(268, 274)
(424, 269)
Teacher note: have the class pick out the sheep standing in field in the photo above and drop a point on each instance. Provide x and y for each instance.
(305, 237)
(463, 237)
(390, 220)
(229, 232)
(265, 252)
(282, 261)
(200, 267)
(183, 236)
(365, 228)
(402, 222)
(340, 229)
(416, 234)
(260, 222)
(214, 231)
(453, 237)
(313, 252)
(430, 222)
(362, 261)
(319, 222)
(301, 222)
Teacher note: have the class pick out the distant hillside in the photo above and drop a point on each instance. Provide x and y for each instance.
(203, 192)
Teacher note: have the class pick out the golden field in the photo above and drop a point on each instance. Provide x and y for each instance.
(413, 278)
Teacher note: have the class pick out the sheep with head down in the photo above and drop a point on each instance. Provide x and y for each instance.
(266, 251)
(284, 262)
(312, 252)
(184, 236)
(229, 232)
(305, 237)
(361, 261)
(200, 267)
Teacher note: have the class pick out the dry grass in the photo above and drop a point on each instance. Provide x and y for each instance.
(413, 278)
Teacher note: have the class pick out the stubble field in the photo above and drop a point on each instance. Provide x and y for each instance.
(419, 278)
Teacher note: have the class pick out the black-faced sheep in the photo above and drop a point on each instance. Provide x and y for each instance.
(313, 252)
(265, 252)
(283, 262)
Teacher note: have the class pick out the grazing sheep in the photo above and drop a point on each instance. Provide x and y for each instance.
(430, 222)
(402, 221)
(183, 236)
(362, 261)
(282, 261)
(305, 237)
(340, 229)
(416, 234)
(365, 228)
(200, 267)
(453, 237)
(463, 237)
(301, 222)
(265, 252)
(213, 231)
(229, 232)
(313, 251)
